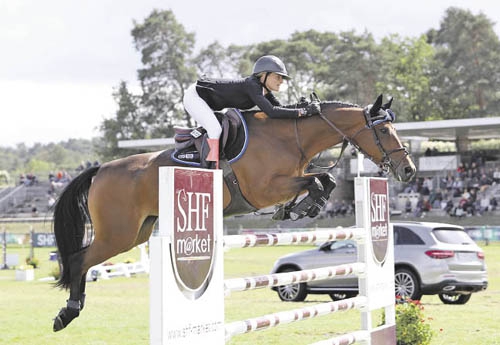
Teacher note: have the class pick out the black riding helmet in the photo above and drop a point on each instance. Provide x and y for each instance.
(270, 63)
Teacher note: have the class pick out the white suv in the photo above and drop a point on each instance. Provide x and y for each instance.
(430, 258)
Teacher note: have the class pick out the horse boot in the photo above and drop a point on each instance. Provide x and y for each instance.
(329, 183)
(314, 201)
(303, 208)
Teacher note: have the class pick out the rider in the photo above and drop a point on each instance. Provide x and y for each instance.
(207, 95)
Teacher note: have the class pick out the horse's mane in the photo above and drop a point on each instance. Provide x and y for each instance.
(338, 104)
(324, 104)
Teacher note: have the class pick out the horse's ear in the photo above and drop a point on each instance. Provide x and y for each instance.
(376, 106)
(388, 104)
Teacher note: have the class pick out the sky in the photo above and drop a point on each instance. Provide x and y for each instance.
(61, 59)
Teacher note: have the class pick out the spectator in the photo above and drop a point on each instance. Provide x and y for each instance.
(427, 186)
(460, 170)
(496, 175)
(343, 208)
(410, 188)
(457, 187)
(449, 183)
(493, 203)
(407, 207)
(484, 182)
(50, 201)
(447, 206)
(435, 198)
(329, 209)
(419, 208)
(483, 204)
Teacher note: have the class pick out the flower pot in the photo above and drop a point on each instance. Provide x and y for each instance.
(24, 275)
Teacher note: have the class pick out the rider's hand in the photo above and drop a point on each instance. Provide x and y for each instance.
(302, 102)
(312, 108)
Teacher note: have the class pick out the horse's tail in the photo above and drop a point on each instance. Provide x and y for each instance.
(70, 215)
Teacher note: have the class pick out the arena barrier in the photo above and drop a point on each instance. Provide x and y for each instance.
(187, 286)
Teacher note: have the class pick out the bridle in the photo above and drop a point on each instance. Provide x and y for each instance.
(384, 115)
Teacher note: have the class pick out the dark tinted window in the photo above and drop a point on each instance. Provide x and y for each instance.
(343, 247)
(406, 236)
(452, 236)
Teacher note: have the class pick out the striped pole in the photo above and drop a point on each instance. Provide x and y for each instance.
(279, 279)
(346, 339)
(273, 320)
(276, 239)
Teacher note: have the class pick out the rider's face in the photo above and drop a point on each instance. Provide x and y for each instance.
(274, 81)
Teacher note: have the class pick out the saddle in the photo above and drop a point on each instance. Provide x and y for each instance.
(233, 141)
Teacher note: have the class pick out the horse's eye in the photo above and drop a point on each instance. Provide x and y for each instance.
(384, 130)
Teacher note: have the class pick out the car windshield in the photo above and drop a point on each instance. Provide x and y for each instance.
(452, 236)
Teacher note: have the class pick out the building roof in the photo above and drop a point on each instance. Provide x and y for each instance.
(449, 130)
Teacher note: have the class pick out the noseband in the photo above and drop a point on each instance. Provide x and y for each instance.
(385, 116)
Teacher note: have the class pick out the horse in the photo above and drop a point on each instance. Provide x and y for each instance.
(120, 198)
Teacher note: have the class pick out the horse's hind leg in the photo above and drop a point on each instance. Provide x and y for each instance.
(79, 263)
(76, 299)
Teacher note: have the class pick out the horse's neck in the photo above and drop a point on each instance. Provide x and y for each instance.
(319, 135)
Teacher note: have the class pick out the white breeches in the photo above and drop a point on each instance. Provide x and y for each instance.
(201, 112)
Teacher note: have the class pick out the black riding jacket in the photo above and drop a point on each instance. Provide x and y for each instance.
(243, 94)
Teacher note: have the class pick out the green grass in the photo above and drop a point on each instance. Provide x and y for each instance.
(117, 310)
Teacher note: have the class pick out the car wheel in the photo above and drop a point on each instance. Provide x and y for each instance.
(342, 295)
(406, 284)
(292, 292)
(454, 298)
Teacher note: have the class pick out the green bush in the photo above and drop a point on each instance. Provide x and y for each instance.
(411, 326)
(33, 262)
(55, 272)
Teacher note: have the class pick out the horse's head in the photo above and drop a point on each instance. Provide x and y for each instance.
(371, 131)
(379, 141)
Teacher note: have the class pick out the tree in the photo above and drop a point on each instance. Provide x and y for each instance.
(467, 84)
(166, 50)
(350, 67)
(407, 66)
(215, 61)
(127, 124)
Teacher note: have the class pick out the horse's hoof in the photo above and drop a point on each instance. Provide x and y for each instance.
(65, 316)
(58, 324)
(313, 211)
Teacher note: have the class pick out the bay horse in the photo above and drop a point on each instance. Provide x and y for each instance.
(120, 198)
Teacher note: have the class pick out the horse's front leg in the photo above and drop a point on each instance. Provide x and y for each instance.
(318, 187)
(320, 196)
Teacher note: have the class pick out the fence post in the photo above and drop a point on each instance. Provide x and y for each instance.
(4, 250)
(32, 242)
(377, 251)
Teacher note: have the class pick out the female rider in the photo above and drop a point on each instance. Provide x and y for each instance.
(208, 95)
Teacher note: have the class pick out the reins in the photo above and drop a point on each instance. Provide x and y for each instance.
(386, 162)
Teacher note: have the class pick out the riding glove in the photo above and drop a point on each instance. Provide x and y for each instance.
(312, 108)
